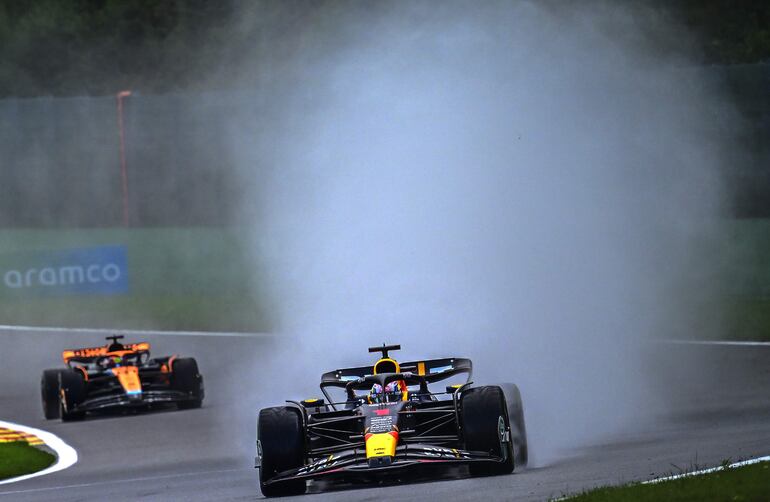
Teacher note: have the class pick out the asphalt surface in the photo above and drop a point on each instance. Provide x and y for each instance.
(721, 412)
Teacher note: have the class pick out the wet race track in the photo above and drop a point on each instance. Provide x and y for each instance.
(208, 453)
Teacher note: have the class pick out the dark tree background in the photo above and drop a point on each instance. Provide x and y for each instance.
(729, 31)
(96, 47)
(58, 152)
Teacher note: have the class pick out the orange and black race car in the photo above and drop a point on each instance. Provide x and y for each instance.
(389, 424)
(118, 375)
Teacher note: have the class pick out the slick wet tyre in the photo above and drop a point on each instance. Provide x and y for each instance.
(72, 392)
(484, 418)
(49, 391)
(518, 428)
(282, 444)
(186, 378)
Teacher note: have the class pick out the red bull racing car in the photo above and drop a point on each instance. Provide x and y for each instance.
(390, 423)
(118, 376)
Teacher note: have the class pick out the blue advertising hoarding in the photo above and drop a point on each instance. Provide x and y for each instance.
(98, 270)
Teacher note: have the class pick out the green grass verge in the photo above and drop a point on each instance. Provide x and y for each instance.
(19, 458)
(212, 278)
(748, 319)
(749, 483)
(153, 312)
(743, 262)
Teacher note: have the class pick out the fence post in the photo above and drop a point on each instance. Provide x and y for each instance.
(123, 174)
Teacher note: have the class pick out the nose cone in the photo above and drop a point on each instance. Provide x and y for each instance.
(381, 445)
(128, 376)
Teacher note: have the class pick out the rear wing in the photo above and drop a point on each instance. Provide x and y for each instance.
(87, 354)
(433, 370)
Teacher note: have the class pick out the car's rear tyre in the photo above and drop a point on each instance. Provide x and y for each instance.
(49, 392)
(518, 428)
(484, 418)
(72, 392)
(282, 444)
(186, 378)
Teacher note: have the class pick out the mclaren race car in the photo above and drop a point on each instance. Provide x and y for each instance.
(390, 423)
(118, 375)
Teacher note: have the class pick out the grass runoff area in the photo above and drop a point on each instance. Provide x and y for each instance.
(748, 319)
(742, 259)
(748, 484)
(210, 279)
(191, 312)
(19, 458)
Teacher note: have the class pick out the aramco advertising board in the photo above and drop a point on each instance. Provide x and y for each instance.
(99, 270)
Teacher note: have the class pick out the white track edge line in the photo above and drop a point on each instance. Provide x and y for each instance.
(707, 471)
(66, 456)
(137, 332)
(718, 342)
(145, 332)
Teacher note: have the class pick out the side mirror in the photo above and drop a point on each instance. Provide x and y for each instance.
(314, 405)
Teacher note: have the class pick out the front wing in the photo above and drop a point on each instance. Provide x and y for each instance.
(353, 463)
(122, 400)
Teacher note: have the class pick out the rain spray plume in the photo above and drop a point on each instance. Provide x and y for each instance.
(523, 184)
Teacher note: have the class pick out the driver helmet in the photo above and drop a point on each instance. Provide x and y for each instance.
(391, 393)
(117, 360)
(375, 395)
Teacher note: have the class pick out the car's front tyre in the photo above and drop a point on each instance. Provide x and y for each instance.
(49, 391)
(484, 416)
(185, 377)
(281, 440)
(518, 428)
(72, 392)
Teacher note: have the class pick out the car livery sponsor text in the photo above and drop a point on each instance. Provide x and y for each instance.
(100, 270)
